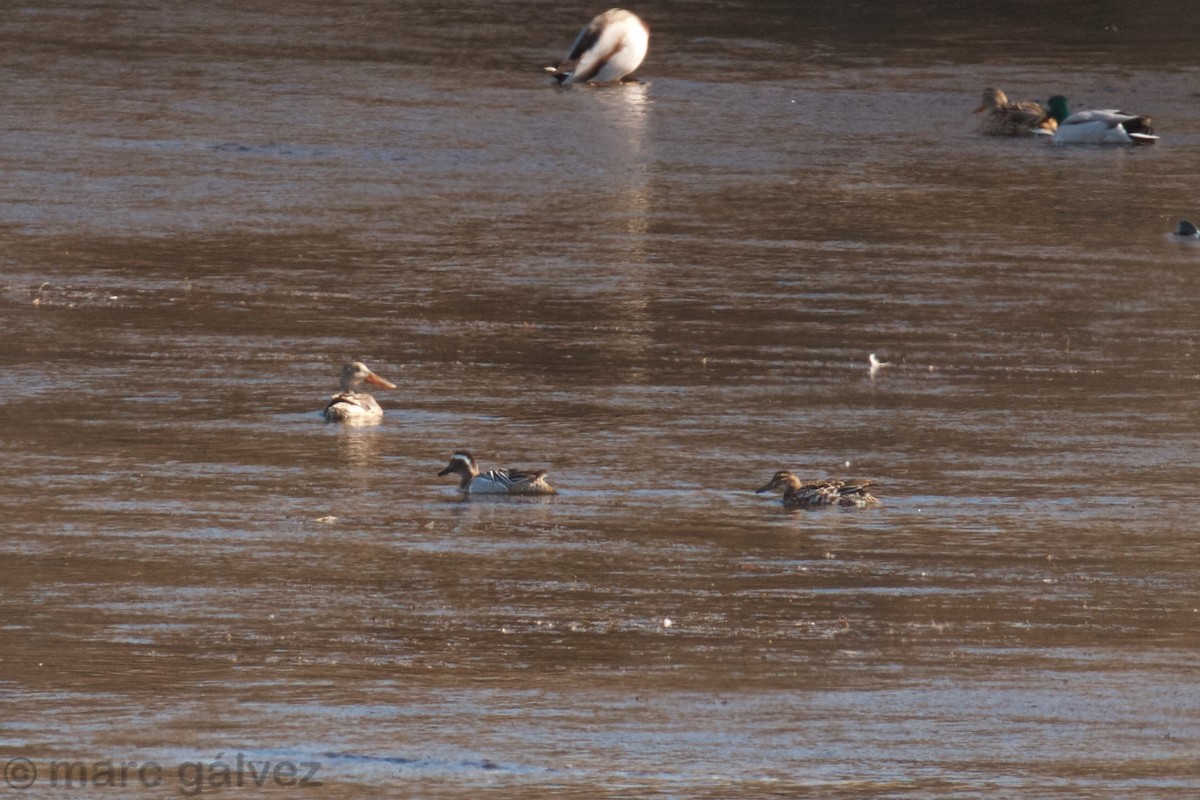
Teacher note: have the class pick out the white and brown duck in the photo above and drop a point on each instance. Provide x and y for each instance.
(496, 481)
(608, 48)
(351, 405)
(827, 492)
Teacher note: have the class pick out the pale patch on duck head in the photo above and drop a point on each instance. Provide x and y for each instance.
(461, 462)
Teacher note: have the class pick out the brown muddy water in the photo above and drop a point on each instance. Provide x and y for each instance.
(661, 292)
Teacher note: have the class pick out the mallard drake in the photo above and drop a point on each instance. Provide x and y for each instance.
(1012, 118)
(1107, 126)
(1186, 230)
(828, 492)
(352, 406)
(608, 48)
(495, 481)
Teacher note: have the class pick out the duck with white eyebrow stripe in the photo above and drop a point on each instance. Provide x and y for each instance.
(496, 481)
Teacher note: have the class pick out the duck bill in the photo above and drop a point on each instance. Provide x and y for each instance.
(446, 471)
(375, 380)
(765, 489)
(980, 109)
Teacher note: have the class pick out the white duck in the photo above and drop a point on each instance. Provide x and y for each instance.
(352, 406)
(608, 48)
(1107, 126)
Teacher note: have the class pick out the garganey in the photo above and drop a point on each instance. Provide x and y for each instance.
(495, 481)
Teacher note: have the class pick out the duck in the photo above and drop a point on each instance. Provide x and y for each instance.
(352, 406)
(827, 492)
(1107, 126)
(608, 48)
(1186, 230)
(496, 481)
(1013, 118)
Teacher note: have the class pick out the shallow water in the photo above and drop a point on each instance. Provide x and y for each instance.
(663, 293)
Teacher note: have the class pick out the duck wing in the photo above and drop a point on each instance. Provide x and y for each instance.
(1111, 117)
(516, 476)
(512, 481)
(1029, 115)
(816, 493)
(345, 405)
(586, 39)
(854, 488)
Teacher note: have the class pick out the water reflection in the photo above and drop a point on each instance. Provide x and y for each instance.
(360, 449)
(627, 147)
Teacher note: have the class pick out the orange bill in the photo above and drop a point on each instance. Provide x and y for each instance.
(375, 380)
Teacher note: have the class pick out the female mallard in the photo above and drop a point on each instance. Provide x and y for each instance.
(1013, 118)
(610, 47)
(495, 481)
(352, 406)
(828, 492)
(1107, 126)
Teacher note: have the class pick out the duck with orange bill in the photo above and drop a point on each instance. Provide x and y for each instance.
(351, 405)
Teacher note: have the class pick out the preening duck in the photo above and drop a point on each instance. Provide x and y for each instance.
(828, 492)
(608, 48)
(495, 481)
(1107, 126)
(1012, 118)
(352, 406)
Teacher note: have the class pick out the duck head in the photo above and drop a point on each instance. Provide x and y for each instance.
(1057, 108)
(992, 99)
(356, 373)
(461, 463)
(782, 479)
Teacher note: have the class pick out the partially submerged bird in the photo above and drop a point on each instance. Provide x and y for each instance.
(875, 365)
(1187, 230)
(1106, 126)
(352, 406)
(608, 48)
(495, 481)
(828, 492)
(1013, 118)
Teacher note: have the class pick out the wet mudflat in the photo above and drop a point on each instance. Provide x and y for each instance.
(663, 293)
